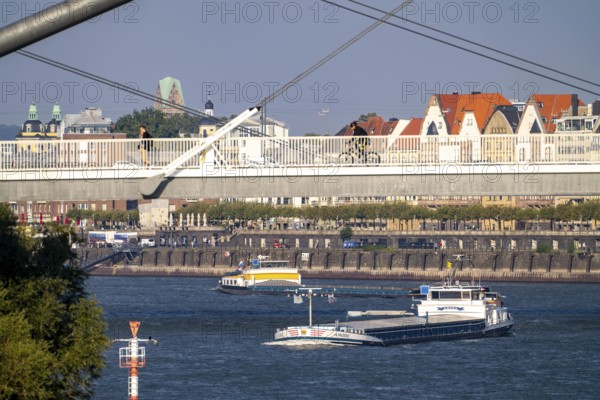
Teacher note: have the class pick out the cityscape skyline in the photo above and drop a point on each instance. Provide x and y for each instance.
(234, 72)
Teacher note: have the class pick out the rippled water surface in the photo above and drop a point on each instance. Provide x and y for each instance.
(216, 346)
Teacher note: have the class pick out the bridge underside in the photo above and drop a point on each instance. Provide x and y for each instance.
(190, 187)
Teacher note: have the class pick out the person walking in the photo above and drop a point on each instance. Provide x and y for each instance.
(145, 145)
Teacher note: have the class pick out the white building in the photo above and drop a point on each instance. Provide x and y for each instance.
(89, 121)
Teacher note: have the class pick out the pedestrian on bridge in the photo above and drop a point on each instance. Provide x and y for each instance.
(145, 145)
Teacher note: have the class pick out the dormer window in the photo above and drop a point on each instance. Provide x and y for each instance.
(540, 104)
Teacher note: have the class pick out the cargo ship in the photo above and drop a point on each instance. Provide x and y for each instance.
(443, 312)
(276, 277)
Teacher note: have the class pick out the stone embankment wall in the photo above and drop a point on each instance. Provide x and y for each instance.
(348, 264)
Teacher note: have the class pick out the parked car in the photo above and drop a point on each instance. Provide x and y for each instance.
(352, 245)
(278, 244)
(148, 242)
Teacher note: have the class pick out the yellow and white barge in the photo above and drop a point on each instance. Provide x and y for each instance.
(260, 276)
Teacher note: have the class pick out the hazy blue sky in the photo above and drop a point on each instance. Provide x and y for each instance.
(241, 50)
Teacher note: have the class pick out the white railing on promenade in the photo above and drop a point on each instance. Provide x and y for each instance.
(253, 152)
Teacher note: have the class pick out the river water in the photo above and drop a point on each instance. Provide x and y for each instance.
(215, 346)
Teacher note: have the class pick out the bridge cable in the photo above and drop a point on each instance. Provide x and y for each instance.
(466, 49)
(321, 62)
(125, 88)
(266, 100)
(476, 43)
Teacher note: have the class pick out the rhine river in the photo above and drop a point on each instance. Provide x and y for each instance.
(214, 346)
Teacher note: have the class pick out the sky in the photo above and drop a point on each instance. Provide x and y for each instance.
(237, 53)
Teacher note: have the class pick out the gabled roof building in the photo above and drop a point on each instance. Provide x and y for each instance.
(459, 114)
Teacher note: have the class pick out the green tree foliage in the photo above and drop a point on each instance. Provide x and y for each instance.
(104, 218)
(346, 233)
(397, 210)
(157, 123)
(365, 117)
(51, 333)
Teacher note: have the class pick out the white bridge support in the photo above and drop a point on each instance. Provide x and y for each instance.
(149, 185)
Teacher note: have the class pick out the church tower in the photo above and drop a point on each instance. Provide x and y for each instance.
(169, 89)
(33, 128)
(53, 127)
(209, 108)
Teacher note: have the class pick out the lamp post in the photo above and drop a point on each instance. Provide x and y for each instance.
(310, 296)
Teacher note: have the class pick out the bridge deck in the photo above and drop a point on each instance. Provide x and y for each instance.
(302, 166)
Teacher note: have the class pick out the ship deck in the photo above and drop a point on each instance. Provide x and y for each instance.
(404, 322)
(278, 287)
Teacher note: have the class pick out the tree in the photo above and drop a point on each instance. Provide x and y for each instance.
(346, 233)
(365, 117)
(158, 124)
(52, 337)
(130, 123)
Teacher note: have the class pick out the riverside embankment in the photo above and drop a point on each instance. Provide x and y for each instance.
(512, 266)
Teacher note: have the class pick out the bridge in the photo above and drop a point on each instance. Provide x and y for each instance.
(235, 166)
(231, 165)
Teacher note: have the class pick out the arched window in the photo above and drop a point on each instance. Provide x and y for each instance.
(432, 130)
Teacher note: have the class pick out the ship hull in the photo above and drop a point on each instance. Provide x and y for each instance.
(394, 335)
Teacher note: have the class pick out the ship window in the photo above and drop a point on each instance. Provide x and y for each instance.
(450, 295)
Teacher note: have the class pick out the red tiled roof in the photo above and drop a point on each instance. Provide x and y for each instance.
(553, 106)
(375, 126)
(482, 105)
(413, 127)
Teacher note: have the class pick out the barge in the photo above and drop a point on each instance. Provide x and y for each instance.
(276, 277)
(444, 312)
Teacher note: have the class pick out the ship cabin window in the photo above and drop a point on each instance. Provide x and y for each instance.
(477, 295)
(445, 295)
